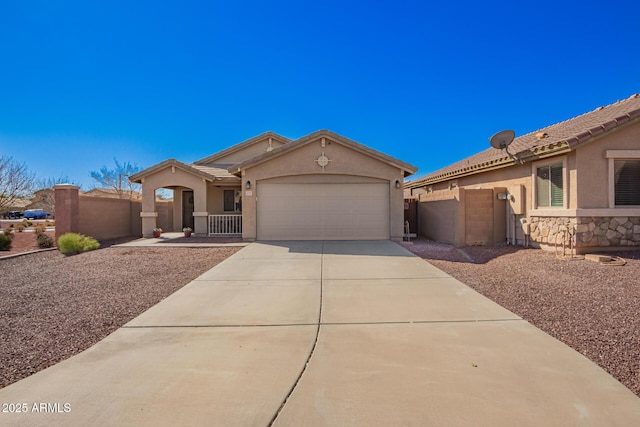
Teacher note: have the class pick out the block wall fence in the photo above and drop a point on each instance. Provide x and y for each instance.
(103, 218)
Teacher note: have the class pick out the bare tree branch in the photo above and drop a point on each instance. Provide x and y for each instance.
(117, 179)
(15, 182)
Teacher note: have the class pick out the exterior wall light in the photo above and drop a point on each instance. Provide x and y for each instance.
(248, 185)
(397, 183)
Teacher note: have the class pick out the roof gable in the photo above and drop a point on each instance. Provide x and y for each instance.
(551, 140)
(138, 177)
(409, 169)
(245, 150)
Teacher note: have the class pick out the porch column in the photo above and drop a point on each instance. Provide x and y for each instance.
(67, 209)
(200, 213)
(148, 213)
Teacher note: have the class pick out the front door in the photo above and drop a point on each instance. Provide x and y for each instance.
(187, 209)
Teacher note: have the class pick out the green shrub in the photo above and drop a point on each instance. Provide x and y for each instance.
(5, 242)
(74, 243)
(44, 241)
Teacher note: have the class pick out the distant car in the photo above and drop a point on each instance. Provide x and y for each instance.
(14, 214)
(35, 214)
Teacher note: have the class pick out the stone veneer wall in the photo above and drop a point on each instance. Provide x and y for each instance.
(588, 231)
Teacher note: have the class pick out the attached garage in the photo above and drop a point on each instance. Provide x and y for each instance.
(323, 211)
(322, 187)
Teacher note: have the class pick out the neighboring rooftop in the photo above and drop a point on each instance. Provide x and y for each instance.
(545, 142)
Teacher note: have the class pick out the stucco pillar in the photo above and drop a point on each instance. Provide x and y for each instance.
(249, 208)
(67, 202)
(396, 198)
(200, 213)
(148, 214)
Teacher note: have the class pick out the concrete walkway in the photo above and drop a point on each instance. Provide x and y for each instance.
(166, 240)
(325, 334)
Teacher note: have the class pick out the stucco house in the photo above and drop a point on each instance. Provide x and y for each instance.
(322, 186)
(575, 183)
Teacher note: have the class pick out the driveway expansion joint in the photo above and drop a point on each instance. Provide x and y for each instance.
(313, 348)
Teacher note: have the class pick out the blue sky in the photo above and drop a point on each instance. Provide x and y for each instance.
(83, 82)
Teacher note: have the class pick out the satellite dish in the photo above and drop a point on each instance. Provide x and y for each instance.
(502, 139)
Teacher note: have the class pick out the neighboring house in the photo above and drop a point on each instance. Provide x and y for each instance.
(43, 199)
(319, 187)
(18, 204)
(574, 183)
(111, 193)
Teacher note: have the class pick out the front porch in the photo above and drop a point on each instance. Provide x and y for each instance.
(207, 203)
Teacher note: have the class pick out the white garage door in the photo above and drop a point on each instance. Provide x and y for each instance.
(323, 211)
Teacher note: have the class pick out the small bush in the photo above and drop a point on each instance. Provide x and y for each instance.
(74, 243)
(50, 223)
(44, 241)
(20, 227)
(8, 231)
(5, 242)
(26, 223)
(40, 229)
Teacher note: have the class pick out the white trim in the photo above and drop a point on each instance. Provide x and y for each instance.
(597, 212)
(612, 156)
(225, 225)
(565, 182)
(622, 154)
(148, 214)
(197, 214)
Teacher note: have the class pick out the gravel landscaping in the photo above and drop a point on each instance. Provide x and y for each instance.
(54, 306)
(24, 242)
(593, 308)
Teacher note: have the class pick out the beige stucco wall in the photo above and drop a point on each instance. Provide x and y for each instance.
(172, 177)
(592, 166)
(245, 153)
(215, 198)
(445, 215)
(301, 163)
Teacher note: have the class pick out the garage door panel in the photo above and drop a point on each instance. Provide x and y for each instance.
(323, 211)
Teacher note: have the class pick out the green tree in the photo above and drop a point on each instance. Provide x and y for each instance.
(117, 179)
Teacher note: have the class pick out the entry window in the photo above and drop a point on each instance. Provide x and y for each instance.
(232, 201)
(627, 182)
(550, 186)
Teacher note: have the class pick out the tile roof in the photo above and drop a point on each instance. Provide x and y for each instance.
(137, 177)
(563, 136)
(217, 170)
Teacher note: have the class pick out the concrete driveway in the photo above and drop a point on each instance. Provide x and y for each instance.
(324, 334)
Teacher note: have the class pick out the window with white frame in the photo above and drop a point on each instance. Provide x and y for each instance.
(626, 182)
(550, 186)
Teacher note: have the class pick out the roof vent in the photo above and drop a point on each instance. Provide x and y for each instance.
(541, 135)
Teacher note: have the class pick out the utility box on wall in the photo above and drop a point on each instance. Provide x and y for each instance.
(516, 199)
